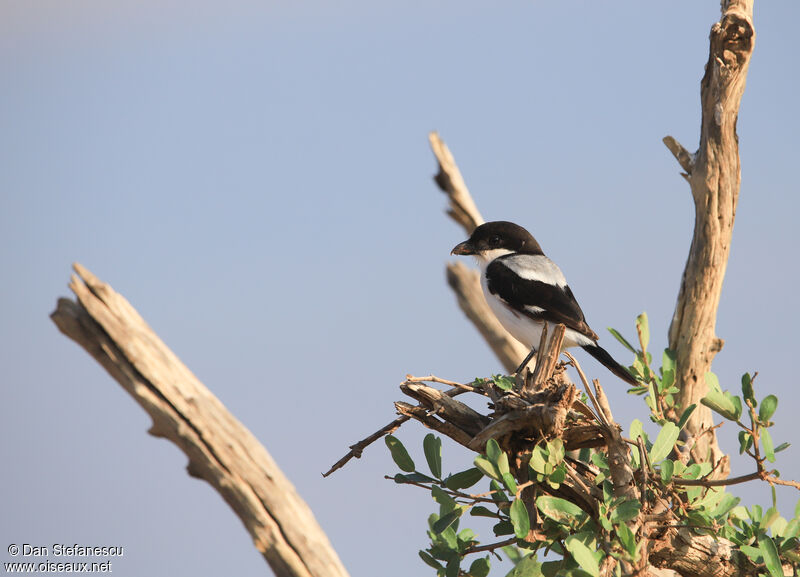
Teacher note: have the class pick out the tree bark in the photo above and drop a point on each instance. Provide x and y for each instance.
(465, 282)
(714, 175)
(220, 449)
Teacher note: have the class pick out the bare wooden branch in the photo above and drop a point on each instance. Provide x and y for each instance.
(714, 176)
(430, 421)
(462, 207)
(462, 416)
(546, 362)
(219, 448)
(405, 415)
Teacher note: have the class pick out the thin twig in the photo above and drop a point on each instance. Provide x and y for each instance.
(722, 482)
(772, 479)
(358, 448)
(645, 470)
(472, 498)
(493, 546)
(599, 413)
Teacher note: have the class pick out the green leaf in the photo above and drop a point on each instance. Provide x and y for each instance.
(429, 560)
(782, 447)
(766, 440)
(756, 513)
(464, 479)
(625, 511)
(718, 402)
(726, 504)
(509, 482)
(440, 496)
(502, 464)
(767, 408)
(779, 526)
(559, 510)
(745, 441)
(446, 520)
(754, 553)
(769, 518)
(479, 568)
(583, 556)
(637, 430)
(668, 361)
(520, 519)
(667, 470)
(538, 460)
(737, 402)
(493, 451)
(770, 554)
(498, 494)
(664, 442)
(792, 529)
(622, 340)
(466, 536)
(747, 389)
(557, 476)
(487, 468)
(481, 511)
(503, 528)
(667, 380)
(686, 414)
(453, 567)
(627, 539)
(503, 382)
(432, 446)
(528, 566)
(644, 328)
(399, 454)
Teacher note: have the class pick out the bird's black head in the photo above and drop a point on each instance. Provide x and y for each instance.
(501, 236)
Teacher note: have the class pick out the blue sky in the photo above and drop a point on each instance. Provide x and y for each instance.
(255, 178)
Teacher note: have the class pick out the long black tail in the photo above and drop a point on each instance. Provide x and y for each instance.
(608, 361)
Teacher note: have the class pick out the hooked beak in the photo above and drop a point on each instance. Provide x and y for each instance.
(464, 248)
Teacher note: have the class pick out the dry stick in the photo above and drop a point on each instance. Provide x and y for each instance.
(449, 179)
(546, 360)
(644, 469)
(219, 448)
(481, 498)
(358, 448)
(599, 413)
(720, 482)
(423, 416)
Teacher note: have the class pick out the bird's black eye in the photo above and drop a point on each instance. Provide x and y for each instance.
(494, 240)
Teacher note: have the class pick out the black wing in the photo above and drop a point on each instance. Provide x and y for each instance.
(557, 303)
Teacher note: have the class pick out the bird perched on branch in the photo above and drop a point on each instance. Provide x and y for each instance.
(525, 290)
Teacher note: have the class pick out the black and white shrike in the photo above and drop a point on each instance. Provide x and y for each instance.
(525, 290)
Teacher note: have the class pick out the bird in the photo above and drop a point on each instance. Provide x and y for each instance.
(524, 290)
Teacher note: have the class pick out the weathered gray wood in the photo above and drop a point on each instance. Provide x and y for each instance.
(220, 449)
(714, 175)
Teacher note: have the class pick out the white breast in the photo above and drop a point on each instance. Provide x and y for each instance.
(522, 327)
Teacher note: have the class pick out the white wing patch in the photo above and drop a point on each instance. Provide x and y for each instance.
(536, 267)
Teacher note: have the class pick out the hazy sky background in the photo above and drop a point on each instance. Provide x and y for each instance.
(255, 178)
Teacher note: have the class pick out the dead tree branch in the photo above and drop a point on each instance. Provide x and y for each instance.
(464, 281)
(219, 448)
(714, 175)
